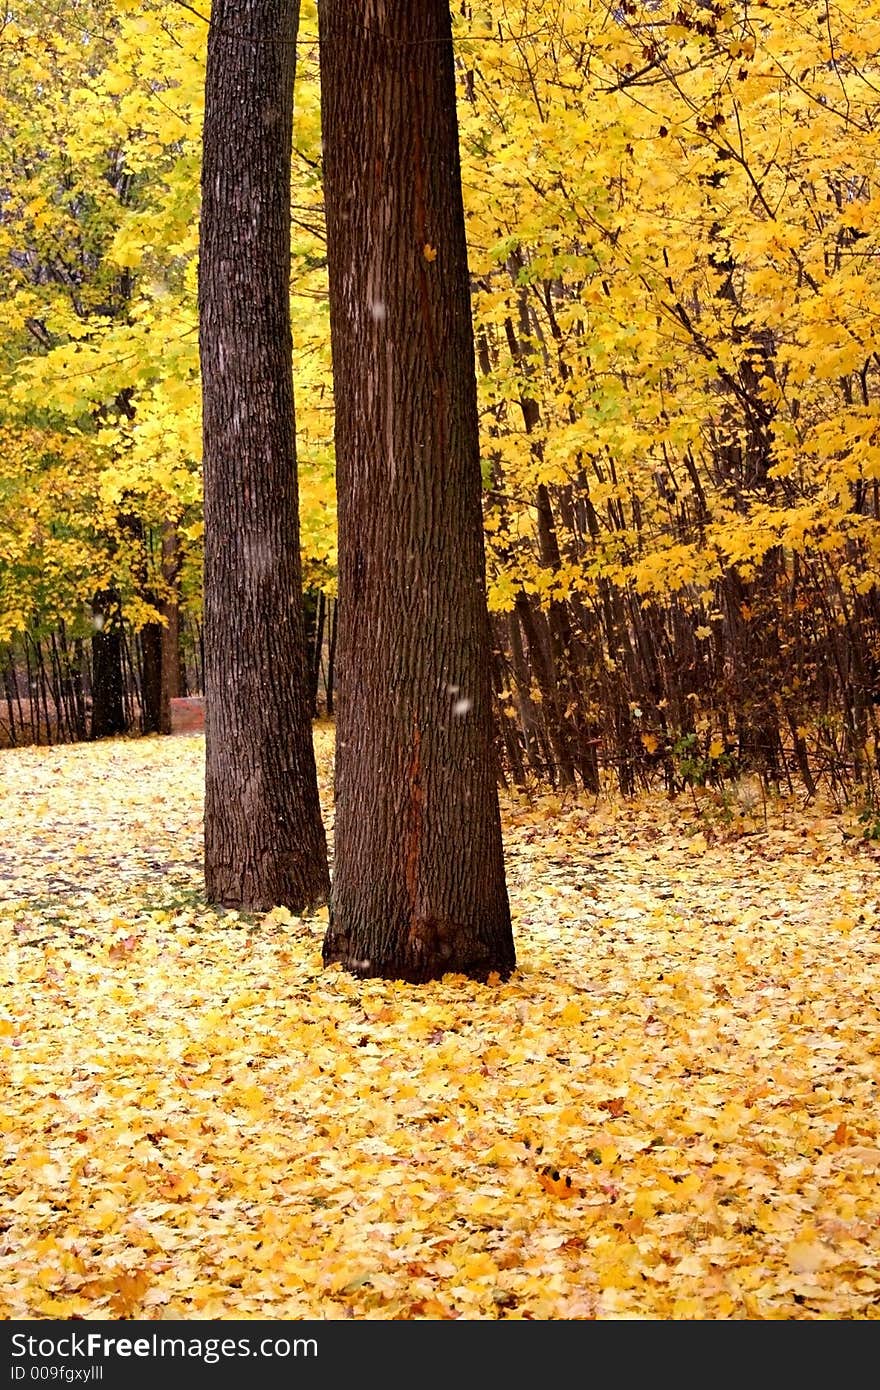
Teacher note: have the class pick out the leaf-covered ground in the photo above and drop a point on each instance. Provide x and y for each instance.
(670, 1111)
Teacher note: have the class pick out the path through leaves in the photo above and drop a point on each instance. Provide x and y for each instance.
(670, 1111)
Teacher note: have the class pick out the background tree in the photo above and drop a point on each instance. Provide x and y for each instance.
(98, 152)
(419, 874)
(670, 210)
(264, 839)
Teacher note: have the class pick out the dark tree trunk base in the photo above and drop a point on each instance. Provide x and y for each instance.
(427, 950)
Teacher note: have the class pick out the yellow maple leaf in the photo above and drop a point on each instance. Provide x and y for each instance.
(809, 1256)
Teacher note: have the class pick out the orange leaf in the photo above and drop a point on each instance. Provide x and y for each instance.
(431, 1308)
(127, 1294)
(615, 1106)
(120, 949)
(553, 1182)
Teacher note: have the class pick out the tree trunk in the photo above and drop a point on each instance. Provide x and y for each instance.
(264, 840)
(151, 677)
(419, 884)
(108, 708)
(173, 676)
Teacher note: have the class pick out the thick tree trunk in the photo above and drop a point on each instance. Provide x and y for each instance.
(419, 873)
(264, 840)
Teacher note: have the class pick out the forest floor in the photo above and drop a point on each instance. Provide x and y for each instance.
(669, 1111)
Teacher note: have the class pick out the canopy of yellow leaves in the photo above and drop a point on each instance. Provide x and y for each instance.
(671, 207)
(669, 1111)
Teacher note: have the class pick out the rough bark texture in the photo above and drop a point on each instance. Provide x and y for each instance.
(264, 840)
(419, 874)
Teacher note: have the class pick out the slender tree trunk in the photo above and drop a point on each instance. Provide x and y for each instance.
(51, 731)
(33, 701)
(108, 706)
(16, 688)
(76, 682)
(419, 873)
(317, 651)
(330, 686)
(151, 674)
(172, 680)
(9, 669)
(264, 840)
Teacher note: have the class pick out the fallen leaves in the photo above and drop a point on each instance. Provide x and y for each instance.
(809, 1256)
(668, 1111)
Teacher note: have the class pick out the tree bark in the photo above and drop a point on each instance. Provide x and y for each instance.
(108, 706)
(173, 675)
(264, 840)
(151, 675)
(419, 884)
